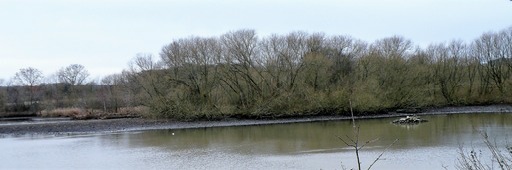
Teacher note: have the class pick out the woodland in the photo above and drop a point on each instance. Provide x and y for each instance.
(241, 75)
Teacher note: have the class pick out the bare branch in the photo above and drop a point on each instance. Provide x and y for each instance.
(380, 155)
(74, 74)
(345, 142)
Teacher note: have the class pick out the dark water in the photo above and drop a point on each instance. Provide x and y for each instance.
(431, 145)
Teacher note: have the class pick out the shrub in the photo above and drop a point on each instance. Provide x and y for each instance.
(61, 112)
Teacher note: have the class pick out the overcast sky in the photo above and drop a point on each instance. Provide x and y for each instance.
(104, 35)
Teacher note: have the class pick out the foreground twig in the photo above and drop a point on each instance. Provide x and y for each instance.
(354, 141)
(472, 160)
(378, 158)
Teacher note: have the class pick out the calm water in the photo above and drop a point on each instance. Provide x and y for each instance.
(431, 145)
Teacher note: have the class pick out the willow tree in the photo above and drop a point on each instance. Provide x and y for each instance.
(150, 78)
(393, 73)
(239, 73)
(448, 68)
(493, 49)
(192, 68)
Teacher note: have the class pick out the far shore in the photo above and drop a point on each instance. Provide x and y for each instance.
(65, 127)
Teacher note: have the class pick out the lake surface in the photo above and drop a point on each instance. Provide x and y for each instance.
(431, 145)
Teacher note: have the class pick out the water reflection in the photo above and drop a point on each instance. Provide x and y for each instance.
(442, 130)
(430, 145)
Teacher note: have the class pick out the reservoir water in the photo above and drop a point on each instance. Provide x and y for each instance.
(315, 145)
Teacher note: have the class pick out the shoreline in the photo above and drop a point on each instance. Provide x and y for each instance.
(70, 127)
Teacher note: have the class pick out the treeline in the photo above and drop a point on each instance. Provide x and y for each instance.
(241, 75)
(67, 92)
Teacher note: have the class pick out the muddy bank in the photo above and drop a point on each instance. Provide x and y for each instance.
(12, 128)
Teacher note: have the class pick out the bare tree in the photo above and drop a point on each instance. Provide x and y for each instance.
(111, 94)
(238, 71)
(314, 73)
(393, 47)
(492, 49)
(270, 61)
(293, 57)
(150, 77)
(74, 74)
(341, 51)
(192, 63)
(471, 66)
(448, 67)
(72, 78)
(389, 57)
(30, 78)
(316, 62)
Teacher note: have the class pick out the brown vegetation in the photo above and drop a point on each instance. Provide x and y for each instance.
(241, 75)
(77, 113)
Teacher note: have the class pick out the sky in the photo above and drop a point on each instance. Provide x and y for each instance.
(105, 35)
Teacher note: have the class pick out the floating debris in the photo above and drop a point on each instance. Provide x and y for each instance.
(409, 120)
